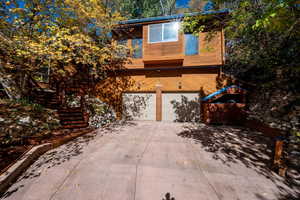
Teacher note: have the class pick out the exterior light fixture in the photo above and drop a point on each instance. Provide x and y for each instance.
(179, 85)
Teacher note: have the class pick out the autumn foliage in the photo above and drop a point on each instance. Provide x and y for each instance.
(56, 34)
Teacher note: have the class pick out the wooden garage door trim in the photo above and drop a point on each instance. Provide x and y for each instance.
(158, 104)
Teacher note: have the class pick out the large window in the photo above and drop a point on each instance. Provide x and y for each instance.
(166, 32)
(191, 44)
(137, 45)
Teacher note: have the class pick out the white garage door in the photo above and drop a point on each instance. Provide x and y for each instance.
(140, 106)
(181, 107)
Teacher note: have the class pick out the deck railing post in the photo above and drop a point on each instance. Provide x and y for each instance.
(278, 162)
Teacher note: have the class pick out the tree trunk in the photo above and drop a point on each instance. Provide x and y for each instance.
(9, 85)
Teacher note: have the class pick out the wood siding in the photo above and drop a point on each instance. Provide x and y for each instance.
(209, 52)
(161, 49)
(203, 81)
(175, 81)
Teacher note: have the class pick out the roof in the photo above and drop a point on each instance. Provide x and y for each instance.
(221, 91)
(171, 17)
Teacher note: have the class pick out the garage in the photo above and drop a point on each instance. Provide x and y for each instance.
(180, 107)
(139, 106)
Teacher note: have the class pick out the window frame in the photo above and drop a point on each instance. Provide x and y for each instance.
(141, 49)
(185, 44)
(162, 33)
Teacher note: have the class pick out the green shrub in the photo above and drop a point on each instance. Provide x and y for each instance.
(37, 108)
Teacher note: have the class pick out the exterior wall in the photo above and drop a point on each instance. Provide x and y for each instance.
(210, 52)
(175, 81)
(167, 69)
(160, 49)
(111, 89)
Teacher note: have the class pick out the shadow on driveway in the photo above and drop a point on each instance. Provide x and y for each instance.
(240, 145)
(64, 153)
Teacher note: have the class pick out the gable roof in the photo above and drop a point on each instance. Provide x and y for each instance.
(172, 17)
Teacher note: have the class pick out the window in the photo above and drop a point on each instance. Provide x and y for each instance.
(191, 44)
(122, 51)
(137, 45)
(167, 32)
(155, 33)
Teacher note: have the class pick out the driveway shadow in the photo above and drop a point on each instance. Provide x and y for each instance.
(240, 145)
(232, 144)
(52, 158)
(59, 155)
(70, 150)
(63, 154)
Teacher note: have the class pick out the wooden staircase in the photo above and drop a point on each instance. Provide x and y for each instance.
(70, 118)
(47, 98)
(73, 118)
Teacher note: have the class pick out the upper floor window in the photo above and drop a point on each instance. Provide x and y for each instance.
(166, 32)
(191, 44)
(137, 45)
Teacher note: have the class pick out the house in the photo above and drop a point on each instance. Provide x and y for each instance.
(170, 69)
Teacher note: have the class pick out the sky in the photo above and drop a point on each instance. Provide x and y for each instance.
(182, 3)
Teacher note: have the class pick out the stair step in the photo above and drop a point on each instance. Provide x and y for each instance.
(76, 126)
(44, 94)
(71, 119)
(48, 99)
(70, 111)
(70, 114)
(72, 122)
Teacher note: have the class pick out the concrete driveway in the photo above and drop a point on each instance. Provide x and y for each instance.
(147, 160)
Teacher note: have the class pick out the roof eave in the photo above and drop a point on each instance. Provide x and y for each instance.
(170, 17)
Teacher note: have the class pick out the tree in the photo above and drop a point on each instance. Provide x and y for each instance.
(262, 49)
(133, 9)
(196, 5)
(262, 36)
(58, 34)
(167, 6)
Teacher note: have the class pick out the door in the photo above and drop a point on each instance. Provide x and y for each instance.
(181, 107)
(139, 106)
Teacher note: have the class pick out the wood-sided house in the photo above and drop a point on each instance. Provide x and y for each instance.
(170, 68)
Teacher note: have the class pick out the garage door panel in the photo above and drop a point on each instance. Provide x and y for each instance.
(181, 107)
(139, 106)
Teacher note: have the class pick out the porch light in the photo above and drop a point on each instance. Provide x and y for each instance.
(179, 85)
